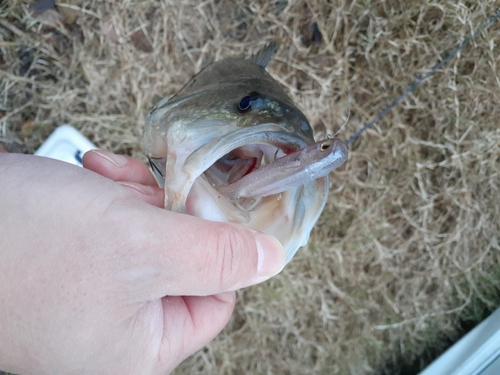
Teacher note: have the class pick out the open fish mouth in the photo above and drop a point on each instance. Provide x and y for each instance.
(198, 168)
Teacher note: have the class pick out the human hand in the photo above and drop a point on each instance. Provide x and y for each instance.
(94, 278)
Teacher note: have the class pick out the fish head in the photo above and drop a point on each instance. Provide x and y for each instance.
(229, 120)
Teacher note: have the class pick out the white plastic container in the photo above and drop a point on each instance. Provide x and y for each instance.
(66, 144)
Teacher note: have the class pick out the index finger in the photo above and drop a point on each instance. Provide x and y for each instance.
(118, 167)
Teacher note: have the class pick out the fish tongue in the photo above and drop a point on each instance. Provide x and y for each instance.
(234, 165)
(242, 168)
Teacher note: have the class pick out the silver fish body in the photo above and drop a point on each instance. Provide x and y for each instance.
(228, 121)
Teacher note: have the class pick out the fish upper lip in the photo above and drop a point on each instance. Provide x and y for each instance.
(222, 146)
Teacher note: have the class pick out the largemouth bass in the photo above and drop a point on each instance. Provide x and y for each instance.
(232, 146)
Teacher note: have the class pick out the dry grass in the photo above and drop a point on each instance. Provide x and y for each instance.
(406, 251)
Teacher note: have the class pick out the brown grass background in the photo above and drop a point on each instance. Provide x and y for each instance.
(405, 257)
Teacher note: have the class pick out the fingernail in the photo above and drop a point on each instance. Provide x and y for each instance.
(271, 256)
(143, 189)
(117, 160)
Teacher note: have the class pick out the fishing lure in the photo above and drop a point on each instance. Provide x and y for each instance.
(309, 163)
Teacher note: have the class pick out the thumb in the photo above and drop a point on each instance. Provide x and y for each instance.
(193, 256)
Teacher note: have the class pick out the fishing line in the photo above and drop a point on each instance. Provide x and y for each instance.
(346, 120)
(419, 79)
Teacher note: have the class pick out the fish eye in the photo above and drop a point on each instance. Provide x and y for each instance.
(246, 103)
(325, 146)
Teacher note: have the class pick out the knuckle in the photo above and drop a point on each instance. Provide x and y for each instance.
(232, 254)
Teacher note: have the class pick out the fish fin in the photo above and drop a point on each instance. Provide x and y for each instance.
(263, 57)
(158, 165)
